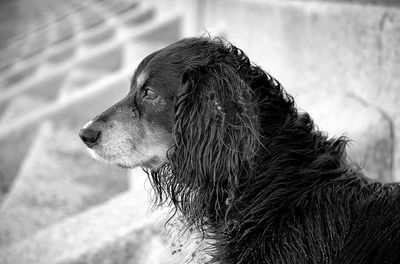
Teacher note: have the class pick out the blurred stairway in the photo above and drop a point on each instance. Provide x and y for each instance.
(68, 61)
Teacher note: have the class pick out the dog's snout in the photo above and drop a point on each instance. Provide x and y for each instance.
(89, 136)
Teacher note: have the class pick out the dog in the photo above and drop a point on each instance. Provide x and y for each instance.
(226, 146)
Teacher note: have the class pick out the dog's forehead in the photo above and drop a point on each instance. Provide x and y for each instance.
(159, 73)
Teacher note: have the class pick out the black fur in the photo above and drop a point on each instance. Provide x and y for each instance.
(252, 173)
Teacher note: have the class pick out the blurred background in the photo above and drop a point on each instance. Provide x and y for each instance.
(64, 61)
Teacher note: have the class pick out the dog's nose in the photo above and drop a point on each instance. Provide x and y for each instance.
(89, 136)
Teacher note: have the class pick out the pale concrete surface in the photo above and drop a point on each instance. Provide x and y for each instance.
(58, 179)
(8, 16)
(366, 2)
(121, 230)
(369, 131)
(74, 77)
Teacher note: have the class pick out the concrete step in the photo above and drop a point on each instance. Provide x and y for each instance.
(14, 145)
(15, 138)
(58, 179)
(58, 61)
(62, 55)
(62, 34)
(108, 61)
(44, 91)
(120, 230)
(19, 107)
(20, 76)
(47, 193)
(100, 37)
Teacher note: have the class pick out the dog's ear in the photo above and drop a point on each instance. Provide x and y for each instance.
(216, 137)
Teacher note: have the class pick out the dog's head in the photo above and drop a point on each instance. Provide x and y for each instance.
(195, 109)
(138, 130)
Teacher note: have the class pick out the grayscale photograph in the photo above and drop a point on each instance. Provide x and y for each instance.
(199, 132)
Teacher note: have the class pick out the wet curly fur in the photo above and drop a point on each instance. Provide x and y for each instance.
(251, 172)
(246, 168)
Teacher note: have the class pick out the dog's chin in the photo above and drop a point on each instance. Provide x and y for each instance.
(147, 165)
(154, 163)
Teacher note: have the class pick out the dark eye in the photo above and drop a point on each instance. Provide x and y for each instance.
(150, 95)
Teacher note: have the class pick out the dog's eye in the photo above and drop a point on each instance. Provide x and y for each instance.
(150, 94)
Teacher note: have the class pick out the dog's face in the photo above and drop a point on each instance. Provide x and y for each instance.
(137, 131)
(178, 96)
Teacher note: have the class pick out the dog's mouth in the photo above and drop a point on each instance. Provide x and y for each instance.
(127, 158)
(123, 166)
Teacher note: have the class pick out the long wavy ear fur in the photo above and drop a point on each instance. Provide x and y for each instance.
(215, 141)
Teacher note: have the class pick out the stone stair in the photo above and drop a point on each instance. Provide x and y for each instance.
(64, 183)
(67, 62)
(118, 231)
